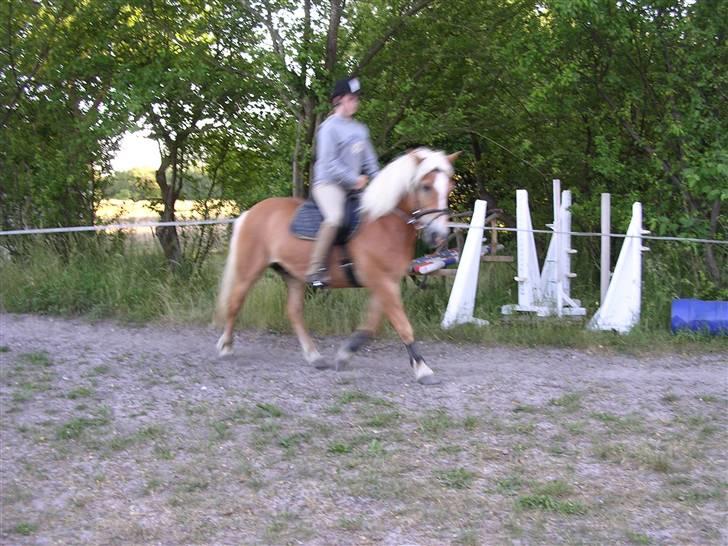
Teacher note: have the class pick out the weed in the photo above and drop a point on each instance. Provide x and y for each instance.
(222, 430)
(269, 410)
(339, 448)
(351, 524)
(570, 402)
(457, 478)
(75, 428)
(80, 392)
(509, 485)
(383, 420)
(40, 358)
(436, 422)
(25, 528)
(353, 396)
(698, 495)
(471, 422)
(554, 488)
(4, 349)
(550, 504)
(193, 485)
(293, 440)
(637, 538)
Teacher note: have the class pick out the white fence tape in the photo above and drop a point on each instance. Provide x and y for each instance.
(133, 225)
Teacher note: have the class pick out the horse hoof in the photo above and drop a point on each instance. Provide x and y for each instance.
(429, 380)
(341, 364)
(321, 364)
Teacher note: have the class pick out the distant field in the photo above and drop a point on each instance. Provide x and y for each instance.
(127, 209)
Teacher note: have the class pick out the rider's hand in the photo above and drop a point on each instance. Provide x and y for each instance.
(361, 181)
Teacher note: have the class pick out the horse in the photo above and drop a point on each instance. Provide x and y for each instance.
(409, 195)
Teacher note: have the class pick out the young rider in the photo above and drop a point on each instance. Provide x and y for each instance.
(345, 162)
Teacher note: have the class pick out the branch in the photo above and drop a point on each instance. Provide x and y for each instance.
(397, 24)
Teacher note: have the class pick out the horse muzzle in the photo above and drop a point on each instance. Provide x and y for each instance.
(435, 235)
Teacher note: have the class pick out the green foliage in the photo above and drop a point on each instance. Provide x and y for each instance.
(108, 276)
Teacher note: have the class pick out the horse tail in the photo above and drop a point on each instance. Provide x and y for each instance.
(229, 274)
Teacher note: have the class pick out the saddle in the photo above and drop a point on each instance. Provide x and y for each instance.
(308, 218)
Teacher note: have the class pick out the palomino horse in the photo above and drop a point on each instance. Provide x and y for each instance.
(408, 195)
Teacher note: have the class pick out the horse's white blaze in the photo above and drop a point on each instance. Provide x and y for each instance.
(422, 370)
(442, 186)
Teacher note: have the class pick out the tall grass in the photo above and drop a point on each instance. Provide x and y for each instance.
(110, 277)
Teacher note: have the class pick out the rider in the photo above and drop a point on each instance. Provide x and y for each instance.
(345, 161)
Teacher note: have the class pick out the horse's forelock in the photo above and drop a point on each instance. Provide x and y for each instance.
(432, 161)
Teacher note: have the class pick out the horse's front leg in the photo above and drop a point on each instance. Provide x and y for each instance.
(389, 294)
(362, 335)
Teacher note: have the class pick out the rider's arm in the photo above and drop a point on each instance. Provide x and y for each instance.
(371, 163)
(333, 169)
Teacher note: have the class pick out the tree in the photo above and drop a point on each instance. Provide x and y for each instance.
(59, 122)
(180, 66)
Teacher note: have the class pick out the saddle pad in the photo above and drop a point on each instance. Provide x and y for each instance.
(308, 218)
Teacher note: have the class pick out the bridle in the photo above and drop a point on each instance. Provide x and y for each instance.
(415, 217)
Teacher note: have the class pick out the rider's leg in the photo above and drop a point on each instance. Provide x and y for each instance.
(331, 199)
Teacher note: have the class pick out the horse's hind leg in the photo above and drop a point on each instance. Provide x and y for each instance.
(296, 290)
(237, 298)
(362, 335)
(238, 278)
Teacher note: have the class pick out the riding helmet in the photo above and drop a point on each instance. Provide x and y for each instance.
(345, 87)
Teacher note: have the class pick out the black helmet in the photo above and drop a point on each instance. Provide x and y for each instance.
(346, 87)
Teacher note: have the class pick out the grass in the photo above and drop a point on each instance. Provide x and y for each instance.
(78, 426)
(37, 359)
(457, 478)
(92, 278)
(25, 528)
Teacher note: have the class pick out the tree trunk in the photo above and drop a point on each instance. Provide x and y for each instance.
(167, 235)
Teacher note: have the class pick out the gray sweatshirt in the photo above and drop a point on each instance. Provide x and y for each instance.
(343, 152)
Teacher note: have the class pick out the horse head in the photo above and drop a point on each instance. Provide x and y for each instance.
(429, 195)
(416, 186)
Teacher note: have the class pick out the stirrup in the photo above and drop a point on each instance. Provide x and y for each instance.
(320, 279)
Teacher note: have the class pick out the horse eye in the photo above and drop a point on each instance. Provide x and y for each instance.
(426, 189)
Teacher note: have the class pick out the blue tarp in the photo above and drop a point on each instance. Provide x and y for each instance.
(699, 315)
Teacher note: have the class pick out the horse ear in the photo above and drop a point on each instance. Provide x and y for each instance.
(452, 157)
(417, 157)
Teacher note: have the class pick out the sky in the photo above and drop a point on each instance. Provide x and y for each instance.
(136, 151)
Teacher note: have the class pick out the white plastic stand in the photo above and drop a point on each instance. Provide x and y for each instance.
(620, 309)
(548, 293)
(556, 275)
(461, 304)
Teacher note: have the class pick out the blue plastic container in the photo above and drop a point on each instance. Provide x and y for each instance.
(700, 316)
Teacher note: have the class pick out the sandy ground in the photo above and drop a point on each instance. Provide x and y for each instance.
(119, 434)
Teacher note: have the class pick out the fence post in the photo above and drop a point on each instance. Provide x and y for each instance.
(606, 260)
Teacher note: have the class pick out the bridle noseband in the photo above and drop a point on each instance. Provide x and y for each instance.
(415, 217)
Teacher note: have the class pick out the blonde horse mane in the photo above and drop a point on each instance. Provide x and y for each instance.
(399, 178)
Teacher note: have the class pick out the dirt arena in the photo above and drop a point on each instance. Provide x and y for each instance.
(119, 434)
